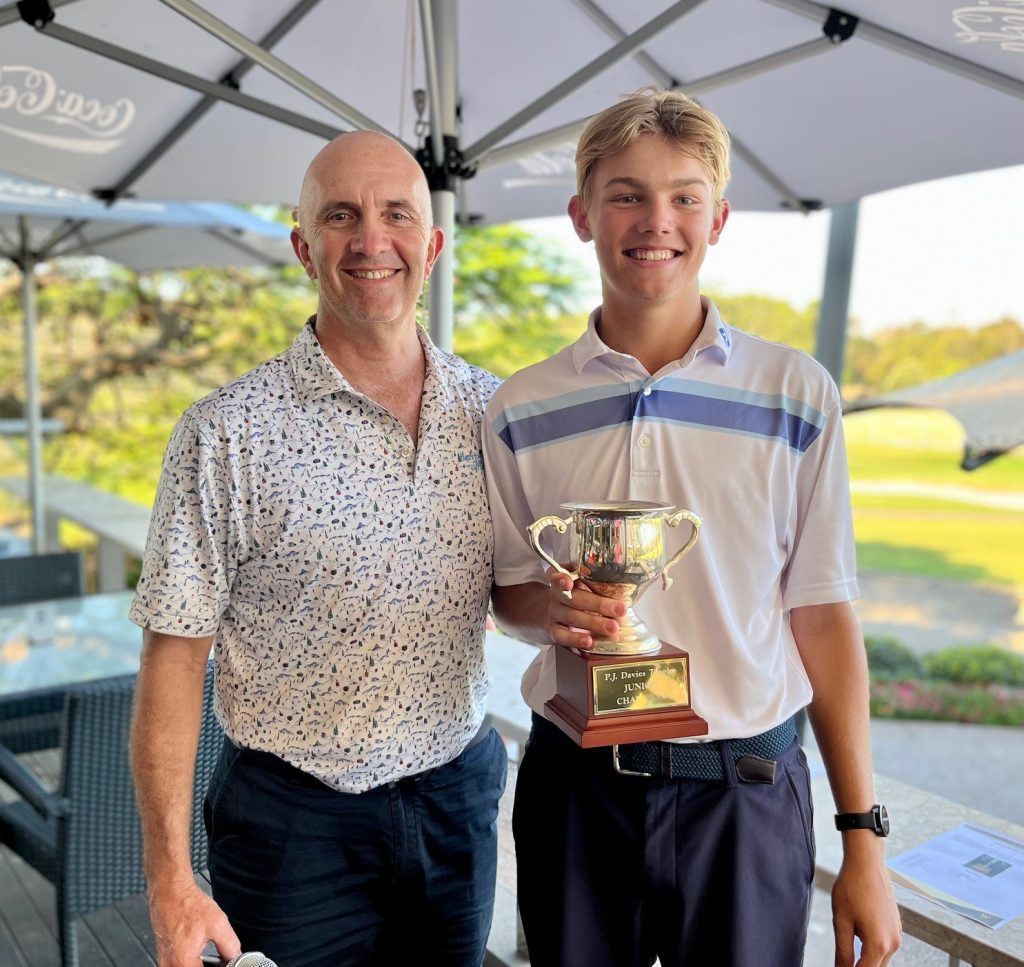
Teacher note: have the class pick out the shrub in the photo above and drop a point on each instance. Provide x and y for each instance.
(980, 683)
(889, 658)
(947, 701)
(977, 665)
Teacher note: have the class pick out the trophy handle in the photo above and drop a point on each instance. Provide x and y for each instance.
(560, 525)
(673, 521)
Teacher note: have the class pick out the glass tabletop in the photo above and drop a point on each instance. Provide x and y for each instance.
(53, 643)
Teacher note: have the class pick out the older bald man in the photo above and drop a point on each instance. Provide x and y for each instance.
(322, 523)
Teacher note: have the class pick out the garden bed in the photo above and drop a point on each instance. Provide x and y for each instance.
(982, 684)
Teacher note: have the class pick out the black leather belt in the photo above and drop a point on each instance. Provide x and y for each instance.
(755, 757)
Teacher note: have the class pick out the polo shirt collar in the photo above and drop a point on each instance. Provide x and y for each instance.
(714, 337)
(438, 368)
(316, 376)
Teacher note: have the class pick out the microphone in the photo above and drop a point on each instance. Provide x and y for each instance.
(253, 959)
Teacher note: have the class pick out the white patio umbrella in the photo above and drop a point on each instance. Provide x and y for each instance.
(232, 99)
(987, 400)
(40, 222)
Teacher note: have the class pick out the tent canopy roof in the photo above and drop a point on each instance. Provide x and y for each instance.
(921, 89)
(53, 222)
(988, 400)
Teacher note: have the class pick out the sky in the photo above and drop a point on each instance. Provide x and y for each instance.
(944, 252)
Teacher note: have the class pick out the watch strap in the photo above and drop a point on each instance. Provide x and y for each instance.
(876, 819)
(855, 821)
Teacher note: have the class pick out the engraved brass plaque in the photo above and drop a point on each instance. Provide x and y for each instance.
(641, 685)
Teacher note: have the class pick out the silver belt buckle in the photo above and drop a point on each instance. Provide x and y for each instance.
(617, 763)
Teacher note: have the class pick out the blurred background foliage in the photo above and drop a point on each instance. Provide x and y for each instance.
(122, 355)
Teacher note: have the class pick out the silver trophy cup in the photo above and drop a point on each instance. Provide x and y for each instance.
(617, 549)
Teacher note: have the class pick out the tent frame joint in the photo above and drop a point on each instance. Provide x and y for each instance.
(36, 13)
(839, 25)
(804, 205)
(453, 168)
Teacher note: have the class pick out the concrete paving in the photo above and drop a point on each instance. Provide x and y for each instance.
(977, 765)
(927, 614)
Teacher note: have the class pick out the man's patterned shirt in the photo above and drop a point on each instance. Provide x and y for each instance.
(344, 572)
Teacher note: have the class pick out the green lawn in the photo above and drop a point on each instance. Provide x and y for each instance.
(935, 545)
(942, 534)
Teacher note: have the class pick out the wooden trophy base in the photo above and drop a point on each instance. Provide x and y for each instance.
(617, 699)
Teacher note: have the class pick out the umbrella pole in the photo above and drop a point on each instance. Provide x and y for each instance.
(830, 345)
(33, 408)
(440, 52)
(442, 278)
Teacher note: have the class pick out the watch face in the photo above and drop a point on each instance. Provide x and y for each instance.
(881, 820)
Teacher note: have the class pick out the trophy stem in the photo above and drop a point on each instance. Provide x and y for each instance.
(634, 638)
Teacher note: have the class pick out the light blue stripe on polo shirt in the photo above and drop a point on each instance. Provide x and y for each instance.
(589, 394)
(685, 402)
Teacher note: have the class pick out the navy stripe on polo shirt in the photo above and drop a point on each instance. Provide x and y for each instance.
(684, 401)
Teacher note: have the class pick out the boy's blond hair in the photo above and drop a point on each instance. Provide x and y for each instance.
(678, 119)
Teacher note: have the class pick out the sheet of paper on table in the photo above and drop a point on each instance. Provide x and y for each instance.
(969, 870)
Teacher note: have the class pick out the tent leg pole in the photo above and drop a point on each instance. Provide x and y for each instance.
(442, 278)
(33, 407)
(441, 17)
(830, 344)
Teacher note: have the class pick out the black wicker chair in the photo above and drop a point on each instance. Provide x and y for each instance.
(86, 838)
(32, 721)
(40, 577)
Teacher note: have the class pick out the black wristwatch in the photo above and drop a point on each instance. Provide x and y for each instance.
(877, 820)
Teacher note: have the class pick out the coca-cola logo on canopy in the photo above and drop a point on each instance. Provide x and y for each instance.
(556, 166)
(992, 21)
(35, 107)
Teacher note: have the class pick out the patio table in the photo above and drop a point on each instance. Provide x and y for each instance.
(46, 646)
(50, 644)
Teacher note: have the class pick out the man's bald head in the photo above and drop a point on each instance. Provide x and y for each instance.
(360, 150)
(365, 234)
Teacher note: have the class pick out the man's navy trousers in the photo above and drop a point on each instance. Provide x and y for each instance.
(401, 874)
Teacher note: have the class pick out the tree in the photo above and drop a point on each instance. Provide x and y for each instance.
(516, 298)
(503, 273)
(122, 355)
(770, 318)
(918, 353)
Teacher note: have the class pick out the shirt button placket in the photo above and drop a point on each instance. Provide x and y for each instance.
(643, 456)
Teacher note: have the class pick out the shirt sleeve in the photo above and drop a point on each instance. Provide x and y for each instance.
(822, 565)
(184, 586)
(515, 561)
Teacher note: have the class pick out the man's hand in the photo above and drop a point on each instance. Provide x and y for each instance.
(575, 622)
(184, 920)
(863, 904)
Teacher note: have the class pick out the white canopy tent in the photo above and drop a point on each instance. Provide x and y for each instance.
(40, 222)
(168, 98)
(987, 400)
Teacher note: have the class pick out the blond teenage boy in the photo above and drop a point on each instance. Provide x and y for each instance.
(708, 858)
